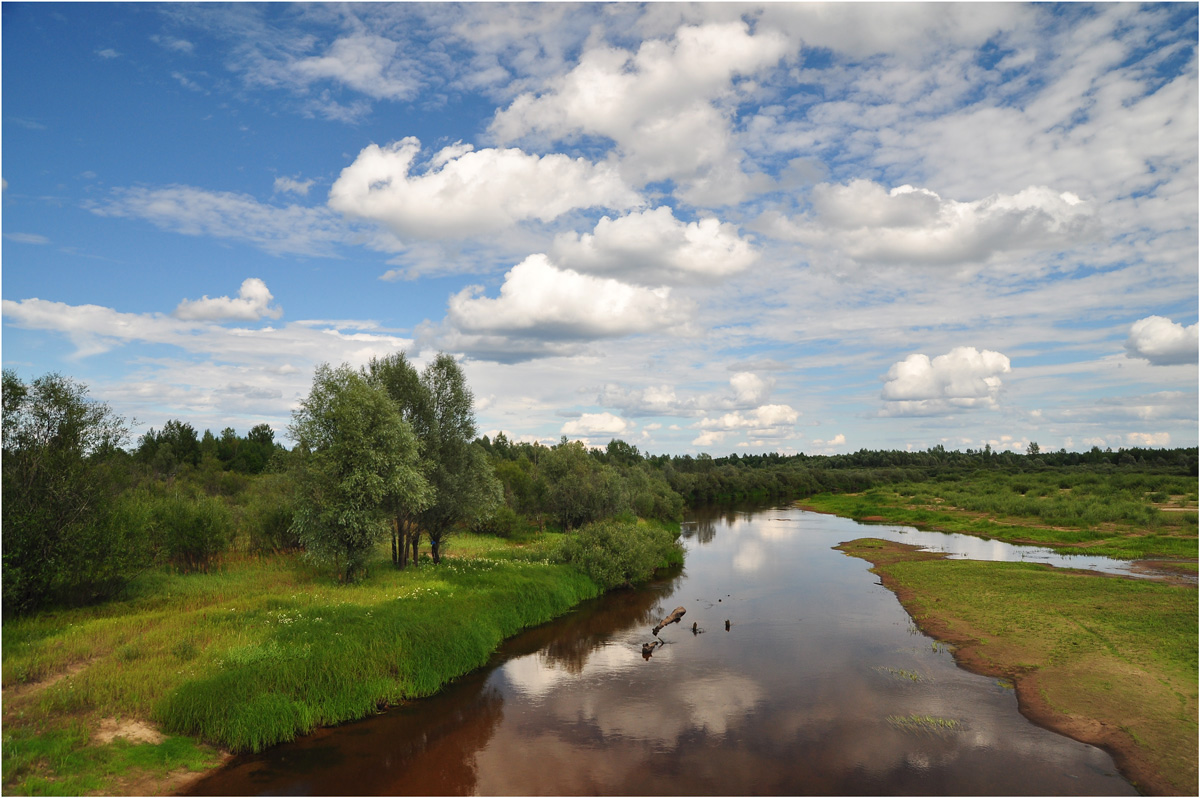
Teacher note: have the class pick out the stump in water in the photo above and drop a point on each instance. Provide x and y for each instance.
(670, 619)
(648, 648)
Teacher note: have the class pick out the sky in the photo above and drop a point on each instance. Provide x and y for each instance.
(712, 228)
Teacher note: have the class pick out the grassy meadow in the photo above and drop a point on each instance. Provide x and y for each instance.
(1125, 515)
(1109, 661)
(255, 653)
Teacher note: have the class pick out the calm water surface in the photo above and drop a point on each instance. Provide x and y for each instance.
(801, 695)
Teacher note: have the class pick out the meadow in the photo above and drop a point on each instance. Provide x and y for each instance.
(1120, 514)
(263, 649)
(1109, 661)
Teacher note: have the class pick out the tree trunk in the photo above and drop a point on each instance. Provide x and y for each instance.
(435, 548)
(670, 619)
(395, 537)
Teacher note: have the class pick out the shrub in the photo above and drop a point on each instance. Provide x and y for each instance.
(617, 553)
(193, 531)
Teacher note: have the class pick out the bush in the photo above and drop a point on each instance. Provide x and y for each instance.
(620, 553)
(193, 531)
(269, 514)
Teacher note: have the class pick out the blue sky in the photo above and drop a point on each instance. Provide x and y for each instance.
(699, 228)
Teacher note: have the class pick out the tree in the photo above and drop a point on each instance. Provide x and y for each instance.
(1033, 449)
(357, 454)
(403, 385)
(67, 540)
(464, 486)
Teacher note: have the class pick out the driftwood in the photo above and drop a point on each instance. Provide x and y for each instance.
(670, 619)
(648, 648)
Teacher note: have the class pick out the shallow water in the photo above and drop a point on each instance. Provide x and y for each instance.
(806, 692)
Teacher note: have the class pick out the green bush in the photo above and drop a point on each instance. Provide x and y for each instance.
(193, 531)
(616, 553)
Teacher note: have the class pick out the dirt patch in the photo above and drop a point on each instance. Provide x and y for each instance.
(135, 731)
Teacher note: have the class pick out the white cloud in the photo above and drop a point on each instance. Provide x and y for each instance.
(658, 105)
(749, 388)
(293, 185)
(108, 53)
(27, 238)
(914, 225)
(654, 248)
(1161, 440)
(252, 304)
(172, 43)
(589, 424)
(364, 62)
(540, 299)
(193, 211)
(470, 193)
(767, 421)
(1163, 342)
(961, 379)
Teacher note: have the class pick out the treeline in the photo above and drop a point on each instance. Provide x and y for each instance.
(382, 453)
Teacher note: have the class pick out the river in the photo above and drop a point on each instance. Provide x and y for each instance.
(804, 676)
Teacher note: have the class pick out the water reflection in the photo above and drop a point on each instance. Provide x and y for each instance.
(794, 698)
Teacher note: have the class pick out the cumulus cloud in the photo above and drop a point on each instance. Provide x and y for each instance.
(767, 421)
(659, 105)
(964, 378)
(465, 193)
(538, 298)
(589, 424)
(915, 225)
(364, 62)
(252, 303)
(654, 248)
(1163, 342)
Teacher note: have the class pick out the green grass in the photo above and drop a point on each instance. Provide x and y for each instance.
(924, 724)
(1120, 651)
(1125, 516)
(264, 650)
(61, 761)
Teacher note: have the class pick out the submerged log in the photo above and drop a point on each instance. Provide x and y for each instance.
(648, 648)
(670, 619)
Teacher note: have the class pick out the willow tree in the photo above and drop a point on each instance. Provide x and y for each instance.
(397, 377)
(464, 486)
(357, 455)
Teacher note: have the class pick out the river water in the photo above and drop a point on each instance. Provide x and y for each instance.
(820, 684)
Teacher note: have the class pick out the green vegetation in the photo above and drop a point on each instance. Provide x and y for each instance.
(1122, 514)
(266, 649)
(924, 724)
(225, 588)
(1108, 661)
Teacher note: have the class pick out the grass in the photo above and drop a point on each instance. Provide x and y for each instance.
(924, 724)
(257, 653)
(1112, 658)
(1125, 516)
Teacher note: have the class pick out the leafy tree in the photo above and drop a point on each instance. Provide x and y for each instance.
(464, 486)
(578, 488)
(64, 541)
(399, 379)
(358, 454)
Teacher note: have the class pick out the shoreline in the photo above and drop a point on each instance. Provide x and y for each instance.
(1029, 680)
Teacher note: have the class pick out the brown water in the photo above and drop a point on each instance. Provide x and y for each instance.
(802, 694)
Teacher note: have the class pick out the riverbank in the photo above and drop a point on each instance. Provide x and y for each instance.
(1104, 660)
(252, 655)
(1045, 510)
